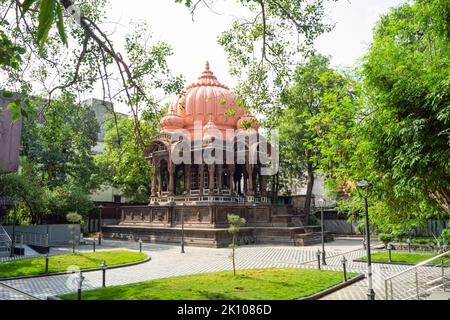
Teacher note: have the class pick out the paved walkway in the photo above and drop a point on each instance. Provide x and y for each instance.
(167, 261)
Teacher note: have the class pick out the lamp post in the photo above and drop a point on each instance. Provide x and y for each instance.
(100, 207)
(318, 259)
(389, 248)
(103, 265)
(361, 185)
(344, 268)
(47, 256)
(13, 239)
(182, 227)
(321, 204)
(80, 284)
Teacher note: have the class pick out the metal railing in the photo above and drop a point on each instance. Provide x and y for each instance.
(5, 242)
(33, 238)
(16, 294)
(419, 281)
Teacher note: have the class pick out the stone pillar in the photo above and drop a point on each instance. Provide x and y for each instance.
(245, 183)
(262, 185)
(231, 182)
(202, 172)
(159, 175)
(219, 177)
(239, 182)
(171, 179)
(154, 182)
(211, 179)
(250, 189)
(187, 181)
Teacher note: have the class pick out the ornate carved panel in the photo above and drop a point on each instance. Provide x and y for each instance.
(193, 215)
(258, 215)
(159, 215)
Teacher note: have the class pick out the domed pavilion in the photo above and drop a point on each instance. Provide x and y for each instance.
(206, 111)
(210, 161)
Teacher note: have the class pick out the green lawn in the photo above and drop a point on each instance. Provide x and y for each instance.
(254, 284)
(404, 257)
(60, 263)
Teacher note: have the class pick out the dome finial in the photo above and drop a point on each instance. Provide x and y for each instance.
(207, 65)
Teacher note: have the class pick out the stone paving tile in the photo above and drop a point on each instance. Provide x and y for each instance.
(167, 261)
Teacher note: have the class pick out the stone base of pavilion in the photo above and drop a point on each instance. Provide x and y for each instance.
(205, 224)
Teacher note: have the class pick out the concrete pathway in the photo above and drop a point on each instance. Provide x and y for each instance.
(167, 261)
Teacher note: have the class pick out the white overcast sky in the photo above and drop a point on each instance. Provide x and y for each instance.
(196, 41)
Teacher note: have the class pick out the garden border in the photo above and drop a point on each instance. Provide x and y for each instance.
(400, 263)
(130, 264)
(334, 288)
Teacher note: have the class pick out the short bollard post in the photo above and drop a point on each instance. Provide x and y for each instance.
(140, 245)
(389, 247)
(344, 267)
(80, 284)
(93, 245)
(46, 262)
(318, 258)
(409, 245)
(103, 273)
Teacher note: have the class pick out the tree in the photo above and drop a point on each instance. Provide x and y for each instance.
(122, 163)
(235, 222)
(139, 68)
(396, 136)
(315, 110)
(57, 156)
(263, 46)
(73, 218)
(407, 115)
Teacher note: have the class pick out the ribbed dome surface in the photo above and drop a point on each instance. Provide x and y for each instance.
(206, 100)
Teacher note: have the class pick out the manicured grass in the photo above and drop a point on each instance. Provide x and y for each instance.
(404, 257)
(254, 284)
(60, 263)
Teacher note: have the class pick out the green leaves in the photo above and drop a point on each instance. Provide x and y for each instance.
(46, 18)
(15, 107)
(235, 222)
(406, 80)
(10, 54)
(26, 5)
(60, 24)
(50, 11)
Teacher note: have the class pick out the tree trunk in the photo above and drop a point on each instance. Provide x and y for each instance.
(233, 254)
(442, 197)
(309, 188)
(277, 186)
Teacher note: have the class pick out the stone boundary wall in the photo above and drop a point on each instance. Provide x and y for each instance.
(58, 234)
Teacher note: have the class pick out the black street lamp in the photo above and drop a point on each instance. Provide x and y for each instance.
(361, 185)
(182, 227)
(80, 284)
(389, 248)
(100, 207)
(13, 238)
(103, 266)
(318, 259)
(344, 268)
(47, 257)
(321, 204)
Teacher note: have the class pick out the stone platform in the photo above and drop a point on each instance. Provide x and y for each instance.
(206, 225)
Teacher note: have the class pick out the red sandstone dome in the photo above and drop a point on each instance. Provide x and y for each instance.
(209, 102)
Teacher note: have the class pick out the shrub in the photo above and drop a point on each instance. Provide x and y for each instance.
(386, 237)
(445, 235)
